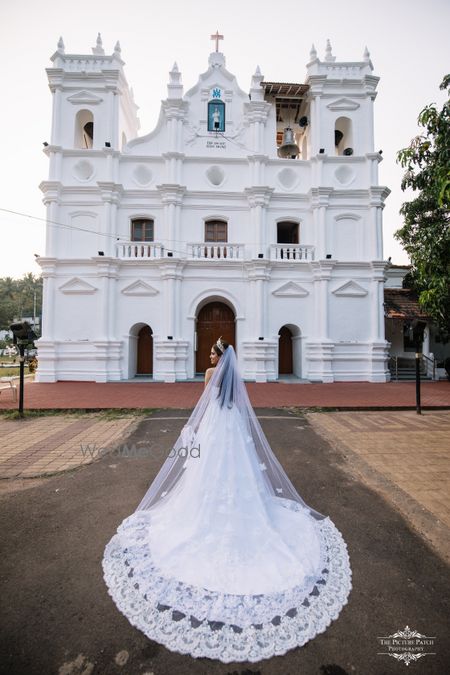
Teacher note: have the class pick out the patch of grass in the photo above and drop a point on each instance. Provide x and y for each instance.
(31, 414)
(117, 413)
(103, 414)
(300, 412)
(13, 372)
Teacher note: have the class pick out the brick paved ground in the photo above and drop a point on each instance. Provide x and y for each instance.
(91, 395)
(57, 616)
(404, 456)
(45, 445)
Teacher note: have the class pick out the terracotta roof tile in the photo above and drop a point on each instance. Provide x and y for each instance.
(402, 303)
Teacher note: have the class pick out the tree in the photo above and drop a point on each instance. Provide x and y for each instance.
(425, 234)
(17, 298)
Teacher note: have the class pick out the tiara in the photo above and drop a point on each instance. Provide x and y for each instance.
(220, 345)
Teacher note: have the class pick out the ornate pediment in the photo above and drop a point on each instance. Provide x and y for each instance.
(350, 290)
(343, 104)
(85, 97)
(140, 288)
(291, 290)
(77, 286)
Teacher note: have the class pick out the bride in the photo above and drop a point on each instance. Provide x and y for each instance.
(222, 557)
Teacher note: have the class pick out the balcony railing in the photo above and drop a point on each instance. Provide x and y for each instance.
(291, 252)
(150, 250)
(139, 249)
(217, 250)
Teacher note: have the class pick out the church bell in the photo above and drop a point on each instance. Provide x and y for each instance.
(289, 148)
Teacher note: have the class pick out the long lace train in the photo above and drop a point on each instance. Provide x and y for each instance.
(221, 568)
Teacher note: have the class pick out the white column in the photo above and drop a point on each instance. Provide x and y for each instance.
(379, 232)
(322, 233)
(259, 307)
(373, 244)
(56, 119)
(52, 228)
(103, 302)
(48, 303)
(323, 308)
(112, 307)
(380, 296)
(377, 310)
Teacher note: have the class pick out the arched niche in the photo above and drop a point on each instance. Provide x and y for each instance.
(343, 135)
(84, 130)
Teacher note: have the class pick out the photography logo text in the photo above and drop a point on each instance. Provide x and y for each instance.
(407, 645)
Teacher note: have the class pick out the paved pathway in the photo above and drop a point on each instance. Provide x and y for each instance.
(49, 444)
(404, 456)
(91, 395)
(57, 616)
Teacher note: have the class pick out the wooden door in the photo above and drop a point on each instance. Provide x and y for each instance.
(285, 365)
(214, 320)
(145, 352)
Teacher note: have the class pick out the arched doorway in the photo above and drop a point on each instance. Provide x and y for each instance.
(214, 320)
(285, 360)
(145, 351)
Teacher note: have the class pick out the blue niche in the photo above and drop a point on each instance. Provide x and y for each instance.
(216, 116)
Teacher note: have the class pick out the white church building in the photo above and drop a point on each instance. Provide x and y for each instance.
(255, 215)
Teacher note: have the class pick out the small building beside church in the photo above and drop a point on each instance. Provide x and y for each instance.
(252, 215)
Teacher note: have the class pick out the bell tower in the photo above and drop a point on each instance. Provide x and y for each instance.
(92, 103)
(341, 97)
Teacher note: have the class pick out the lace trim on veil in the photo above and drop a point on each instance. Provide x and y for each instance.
(192, 620)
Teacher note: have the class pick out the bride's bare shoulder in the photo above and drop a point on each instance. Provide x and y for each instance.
(208, 374)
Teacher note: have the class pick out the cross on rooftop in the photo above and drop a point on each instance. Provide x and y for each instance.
(217, 37)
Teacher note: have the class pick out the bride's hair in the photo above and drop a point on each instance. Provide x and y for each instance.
(226, 384)
(217, 349)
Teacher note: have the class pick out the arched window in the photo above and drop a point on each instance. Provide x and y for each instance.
(142, 229)
(287, 232)
(216, 115)
(216, 230)
(124, 140)
(343, 136)
(84, 129)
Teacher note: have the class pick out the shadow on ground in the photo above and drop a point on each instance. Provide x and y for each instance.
(57, 616)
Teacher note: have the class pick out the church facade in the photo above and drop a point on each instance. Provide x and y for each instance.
(255, 215)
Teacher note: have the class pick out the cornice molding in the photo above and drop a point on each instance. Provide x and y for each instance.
(343, 103)
(291, 290)
(77, 286)
(84, 97)
(139, 288)
(259, 195)
(350, 289)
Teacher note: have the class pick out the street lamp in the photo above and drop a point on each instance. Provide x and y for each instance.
(418, 328)
(23, 335)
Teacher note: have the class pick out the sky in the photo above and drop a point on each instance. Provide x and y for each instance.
(407, 40)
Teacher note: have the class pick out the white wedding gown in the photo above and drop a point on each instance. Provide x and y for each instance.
(221, 568)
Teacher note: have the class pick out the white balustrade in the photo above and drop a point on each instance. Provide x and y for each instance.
(292, 252)
(144, 250)
(216, 250)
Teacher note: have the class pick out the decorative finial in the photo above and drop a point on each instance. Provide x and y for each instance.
(313, 53)
(256, 91)
(98, 49)
(366, 54)
(175, 74)
(175, 88)
(328, 53)
(61, 47)
(117, 48)
(217, 37)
